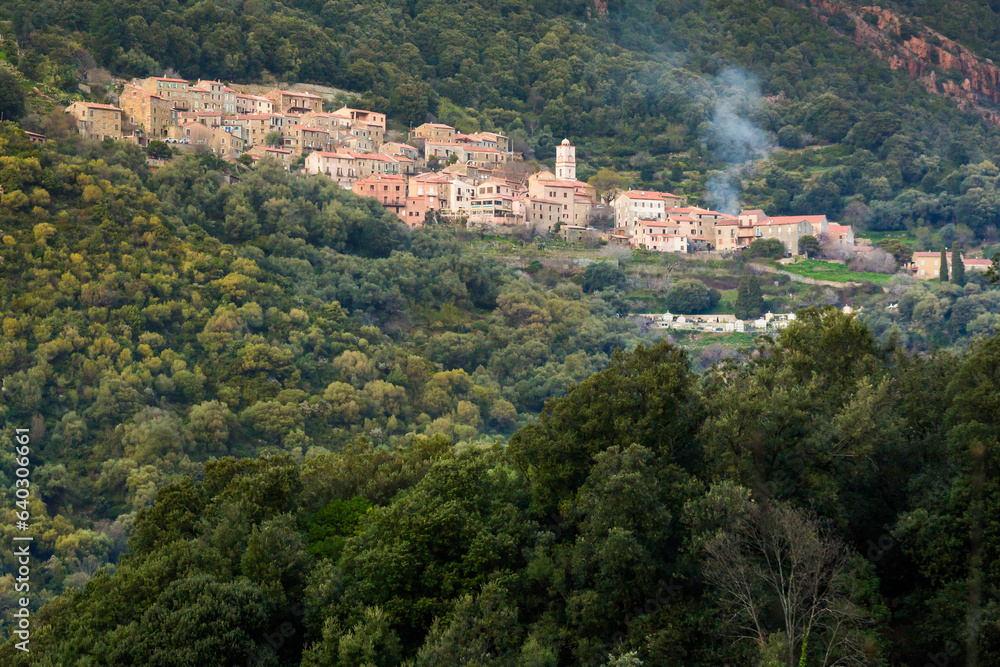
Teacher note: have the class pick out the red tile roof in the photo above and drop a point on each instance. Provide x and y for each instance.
(106, 107)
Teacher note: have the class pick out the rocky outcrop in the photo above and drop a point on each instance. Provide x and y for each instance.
(942, 66)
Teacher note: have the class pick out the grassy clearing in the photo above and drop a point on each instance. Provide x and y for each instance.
(820, 270)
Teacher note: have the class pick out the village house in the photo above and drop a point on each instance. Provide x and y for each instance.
(482, 157)
(731, 234)
(469, 172)
(576, 233)
(443, 150)
(362, 116)
(475, 140)
(415, 214)
(376, 163)
(574, 203)
(302, 140)
(280, 154)
(390, 191)
(152, 114)
(97, 121)
(787, 229)
(224, 144)
(325, 120)
(635, 205)
(395, 148)
(981, 265)
(837, 240)
(457, 197)
(498, 141)
(253, 104)
(175, 90)
(437, 132)
(373, 132)
(432, 186)
(211, 119)
(286, 101)
(34, 137)
(542, 214)
(493, 209)
(356, 143)
(339, 167)
(258, 126)
(927, 265)
(213, 96)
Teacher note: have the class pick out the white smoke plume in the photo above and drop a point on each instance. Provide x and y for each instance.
(734, 138)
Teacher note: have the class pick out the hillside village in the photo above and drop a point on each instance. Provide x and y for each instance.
(441, 173)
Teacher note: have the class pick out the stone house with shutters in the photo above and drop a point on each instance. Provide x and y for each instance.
(97, 121)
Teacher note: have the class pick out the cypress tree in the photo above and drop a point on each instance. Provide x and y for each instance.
(944, 266)
(740, 309)
(749, 298)
(957, 268)
(755, 297)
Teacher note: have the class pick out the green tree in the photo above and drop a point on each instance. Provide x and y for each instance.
(601, 276)
(749, 298)
(899, 250)
(768, 248)
(943, 270)
(691, 296)
(957, 267)
(809, 246)
(607, 183)
(159, 150)
(273, 138)
(11, 95)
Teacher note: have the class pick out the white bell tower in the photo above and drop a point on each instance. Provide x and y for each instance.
(566, 161)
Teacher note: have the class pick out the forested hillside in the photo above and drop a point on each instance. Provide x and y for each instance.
(828, 501)
(644, 87)
(153, 321)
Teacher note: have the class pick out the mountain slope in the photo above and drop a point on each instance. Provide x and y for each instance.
(635, 83)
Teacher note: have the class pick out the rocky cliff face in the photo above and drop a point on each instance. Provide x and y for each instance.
(942, 66)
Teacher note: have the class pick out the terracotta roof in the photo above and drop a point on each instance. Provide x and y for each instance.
(382, 177)
(927, 254)
(341, 156)
(294, 94)
(978, 262)
(838, 228)
(786, 219)
(107, 107)
(306, 127)
(649, 194)
(163, 78)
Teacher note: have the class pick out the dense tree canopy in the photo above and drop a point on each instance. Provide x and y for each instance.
(829, 477)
